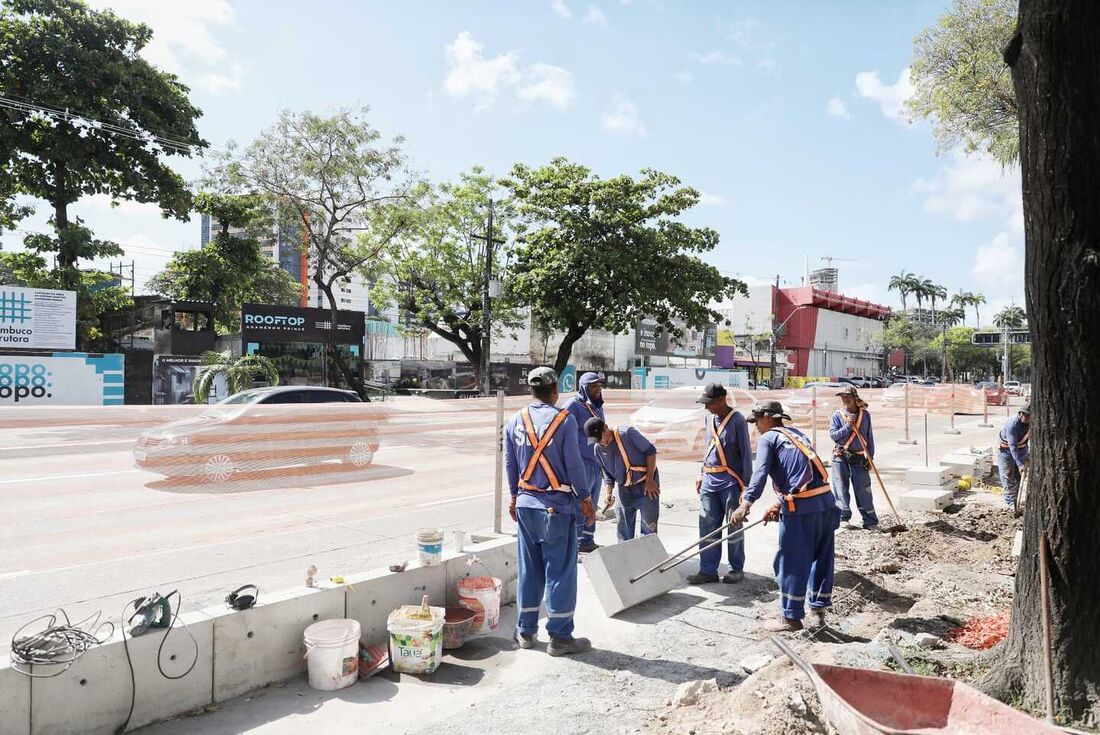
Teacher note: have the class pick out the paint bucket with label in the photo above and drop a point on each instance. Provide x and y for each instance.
(332, 654)
(429, 546)
(416, 638)
(482, 595)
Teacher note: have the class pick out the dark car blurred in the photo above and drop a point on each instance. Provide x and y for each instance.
(262, 429)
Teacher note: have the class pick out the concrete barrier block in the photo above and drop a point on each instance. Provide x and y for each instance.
(93, 696)
(925, 476)
(372, 596)
(610, 569)
(498, 559)
(15, 701)
(262, 645)
(928, 499)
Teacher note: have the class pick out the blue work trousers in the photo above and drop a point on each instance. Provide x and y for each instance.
(547, 571)
(632, 501)
(858, 479)
(1010, 476)
(586, 533)
(714, 509)
(804, 562)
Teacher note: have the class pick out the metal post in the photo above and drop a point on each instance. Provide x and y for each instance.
(498, 494)
(926, 438)
(486, 307)
(985, 411)
(907, 440)
(813, 412)
(953, 430)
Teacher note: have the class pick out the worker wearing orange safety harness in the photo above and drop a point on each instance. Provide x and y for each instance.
(851, 458)
(727, 462)
(629, 460)
(1013, 452)
(541, 460)
(806, 511)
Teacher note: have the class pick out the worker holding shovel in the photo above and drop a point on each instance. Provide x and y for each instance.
(852, 455)
(1013, 455)
(806, 511)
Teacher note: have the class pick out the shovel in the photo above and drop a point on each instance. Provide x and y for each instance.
(899, 527)
(677, 559)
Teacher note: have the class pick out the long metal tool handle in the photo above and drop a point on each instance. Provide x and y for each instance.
(881, 484)
(719, 542)
(684, 550)
(795, 658)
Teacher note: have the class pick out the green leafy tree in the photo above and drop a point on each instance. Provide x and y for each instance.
(964, 299)
(903, 284)
(961, 82)
(936, 291)
(1010, 317)
(112, 119)
(240, 373)
(341, 184)
(964, 358)
(435, 269)
(596, 253)
(230, 270)
(23, 268)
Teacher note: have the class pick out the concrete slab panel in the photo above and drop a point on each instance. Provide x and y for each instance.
(256, 647)
(925, 475)
(93, 696)
(1018, 543)
(372, 596)
(610, 569)
(498, 559)
(15, 701)
(932, 499)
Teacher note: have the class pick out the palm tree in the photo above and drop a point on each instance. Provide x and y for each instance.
(935, 291)
(976, 299)
(902, 283)
(240, 373)
(919, 288)
(951, 317)
(1010, 317)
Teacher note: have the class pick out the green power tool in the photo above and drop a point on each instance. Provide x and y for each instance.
(153, 611)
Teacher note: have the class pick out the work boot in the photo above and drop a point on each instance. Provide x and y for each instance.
(702, 578)
(733, 577)
(784, 625)
(561, 646)
(588, 547)
(819, 617)
(525, 641)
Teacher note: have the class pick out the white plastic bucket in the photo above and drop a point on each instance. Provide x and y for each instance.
(332, 654)
(429, 546)
(416, 645)
(482, 595)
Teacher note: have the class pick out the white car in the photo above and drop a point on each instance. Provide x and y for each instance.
(674, 421)
(1014, 387)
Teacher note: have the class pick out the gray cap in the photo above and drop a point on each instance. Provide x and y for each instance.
(768, 408)
(1026, 408)
(541, 377)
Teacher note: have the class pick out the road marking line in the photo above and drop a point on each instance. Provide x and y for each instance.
(69, 444)
(9, 575)
(65, 477)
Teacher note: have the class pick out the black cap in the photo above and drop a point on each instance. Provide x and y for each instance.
(768, 408)
(593, 429)
(711, 392)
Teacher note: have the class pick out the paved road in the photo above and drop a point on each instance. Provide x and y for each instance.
(86, 531)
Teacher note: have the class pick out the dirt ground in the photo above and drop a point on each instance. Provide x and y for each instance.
(945, 569)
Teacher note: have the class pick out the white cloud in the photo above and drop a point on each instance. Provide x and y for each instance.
(766, 65)
(718, 58)
(471, 73)
(707, 198)
(184, 40)
(837, 108)
(561, 8)
(547, 83)
(890, 98)
(751, 34)
(595, 16)
(998, 268)
(623, 118)
(684, 77)
(972, 188)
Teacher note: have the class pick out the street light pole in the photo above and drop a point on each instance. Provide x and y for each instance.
(486, 302)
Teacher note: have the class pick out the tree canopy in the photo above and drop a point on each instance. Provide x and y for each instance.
(603, 253)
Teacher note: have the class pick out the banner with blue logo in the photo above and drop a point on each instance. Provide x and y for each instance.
(37, 318)
(62, 379)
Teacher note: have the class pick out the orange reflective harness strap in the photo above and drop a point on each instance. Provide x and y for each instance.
(805, 491)
(852, 436)
(626, 460)
(539, 446)
(716, 445)
(1022, 443)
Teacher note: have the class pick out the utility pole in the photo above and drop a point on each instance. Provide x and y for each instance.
(775, 331)
(943, 369)
(486, 301)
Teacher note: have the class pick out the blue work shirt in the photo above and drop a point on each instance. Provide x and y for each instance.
(735, 443)
(638, 449)
(581, 408)
(561, 453)
(789, 469)
(1014, 440)
(840, 430)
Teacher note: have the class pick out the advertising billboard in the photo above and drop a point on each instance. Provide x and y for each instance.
(651, 339)
(265, 323)
(37, 319)
(173, 376)
(62, 379)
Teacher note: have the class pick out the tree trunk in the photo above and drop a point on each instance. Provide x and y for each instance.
(332, 349)
(565, 349)
(1055, 61)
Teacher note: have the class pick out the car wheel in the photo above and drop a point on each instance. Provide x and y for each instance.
(359, 454)
(219, 468)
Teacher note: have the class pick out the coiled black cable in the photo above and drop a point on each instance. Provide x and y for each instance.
(61, 643)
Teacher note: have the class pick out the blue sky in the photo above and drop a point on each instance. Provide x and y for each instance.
(786, 115)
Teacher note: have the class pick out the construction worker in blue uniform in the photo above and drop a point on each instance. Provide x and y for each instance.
(727, 462)
(806, 511)
(854, 449)
(629, 460)
(541, 458)
(587, 404)
(1013, 453)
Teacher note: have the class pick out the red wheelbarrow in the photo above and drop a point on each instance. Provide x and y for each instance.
(865, 702)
